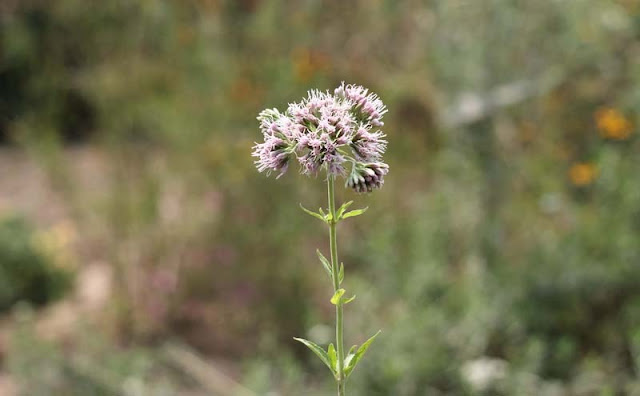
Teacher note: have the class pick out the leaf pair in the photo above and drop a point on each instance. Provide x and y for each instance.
(329, 357)
(355, 355)
(338, 298)
(318, 215)
(340, 214)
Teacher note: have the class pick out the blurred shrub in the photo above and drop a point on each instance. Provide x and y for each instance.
(93, 366)
(27, 273)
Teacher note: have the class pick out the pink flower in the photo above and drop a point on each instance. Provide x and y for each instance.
(366, 177)
(367, 106)
(327, 131)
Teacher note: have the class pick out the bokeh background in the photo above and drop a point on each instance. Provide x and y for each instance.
(141, 253)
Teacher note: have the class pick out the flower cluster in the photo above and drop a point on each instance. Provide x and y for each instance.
(327, 131)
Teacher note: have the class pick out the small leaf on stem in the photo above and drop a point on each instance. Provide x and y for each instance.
(341, 273)
(353, 213)
(333, 359)
(342, 209)
(314, 214)
(350, 355)
(317, 349)
(337, 296)
(352, 360)
(348, 300)
(325, 262)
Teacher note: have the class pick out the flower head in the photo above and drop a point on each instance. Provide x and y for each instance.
(327, 131)
(366, 177)
(612, 124)
(273, 155)
(368, 146)
(368, 107)
(582, 174)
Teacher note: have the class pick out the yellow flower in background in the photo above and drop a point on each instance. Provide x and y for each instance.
(56, 242)
(582, 174)
(612, 124)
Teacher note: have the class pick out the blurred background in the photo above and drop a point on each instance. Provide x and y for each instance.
(141, 253)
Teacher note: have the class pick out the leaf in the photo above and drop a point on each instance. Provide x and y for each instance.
(327, 216)
(348, 300)
(314, 214)
(337, 296)
(325, 263)
(350, 355)
(353, 361)
(354, 213)
(342, 209)
(341, 274)
(333, 359)
(317, 350)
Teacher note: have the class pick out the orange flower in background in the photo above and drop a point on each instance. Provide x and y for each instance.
(612, 124)
(582, 174)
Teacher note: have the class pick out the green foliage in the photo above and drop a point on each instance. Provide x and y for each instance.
(337, 297)
(328, 358)
(27, 273)
(354, 355)
(343, 208)
(333, 358)
(320, 216)
(325, 263)
(94, 367)
(353, 213)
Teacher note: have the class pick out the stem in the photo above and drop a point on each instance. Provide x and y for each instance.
(333, 244)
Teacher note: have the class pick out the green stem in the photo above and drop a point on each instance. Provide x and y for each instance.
(333, 244)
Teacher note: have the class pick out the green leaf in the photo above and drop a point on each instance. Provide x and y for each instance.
(350, 361)
(354, 213)
(342, 209)
(348, 300)
(337, 296)
(317, 350)
(338, 299)
(341, 274)
(314, 214)
(325, 263)
(350, 355)
(333, 359)
(327, 216)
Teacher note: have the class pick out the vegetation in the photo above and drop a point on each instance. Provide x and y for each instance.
(500, 258)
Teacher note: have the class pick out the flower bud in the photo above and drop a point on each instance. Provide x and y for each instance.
(366, 177)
